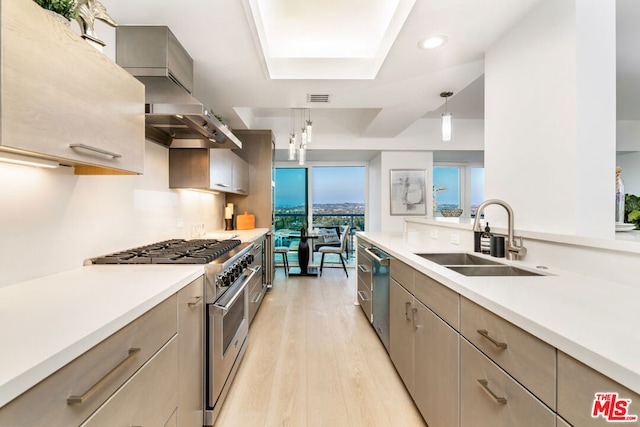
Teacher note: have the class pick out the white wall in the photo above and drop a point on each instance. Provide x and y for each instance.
(373, 208)
(550, 118)
(401, 160)
(628, 135)
(52, 220)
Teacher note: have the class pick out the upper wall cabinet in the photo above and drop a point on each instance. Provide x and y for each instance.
(62, 99)
(208, 169)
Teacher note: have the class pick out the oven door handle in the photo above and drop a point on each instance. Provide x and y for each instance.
(226, 301)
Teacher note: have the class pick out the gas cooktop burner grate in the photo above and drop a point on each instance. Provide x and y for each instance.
(176, 251)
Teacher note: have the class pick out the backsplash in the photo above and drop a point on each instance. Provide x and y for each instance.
(52, 220)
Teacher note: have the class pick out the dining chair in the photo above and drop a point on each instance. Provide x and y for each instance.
(336, 250)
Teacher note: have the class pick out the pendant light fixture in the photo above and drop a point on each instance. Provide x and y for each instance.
(292, 138)
(309, 127)
(298, 143)
(446, 118)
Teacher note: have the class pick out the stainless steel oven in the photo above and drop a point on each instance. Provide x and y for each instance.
(228, 329)
(231, 267)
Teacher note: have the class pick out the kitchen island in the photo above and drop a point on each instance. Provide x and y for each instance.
(592, 320)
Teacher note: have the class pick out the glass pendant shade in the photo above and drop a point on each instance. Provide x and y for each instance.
(309, 128)
(302, 154)
(292, 147)
(446, 126)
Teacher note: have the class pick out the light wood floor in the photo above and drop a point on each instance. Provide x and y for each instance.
(313, 360)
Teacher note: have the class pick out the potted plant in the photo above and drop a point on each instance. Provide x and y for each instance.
(64, 8)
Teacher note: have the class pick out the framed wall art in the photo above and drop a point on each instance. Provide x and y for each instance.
(408, 192)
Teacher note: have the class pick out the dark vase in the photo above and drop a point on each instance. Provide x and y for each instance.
(303, 252)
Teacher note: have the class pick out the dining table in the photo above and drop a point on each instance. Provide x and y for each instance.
(304, 255)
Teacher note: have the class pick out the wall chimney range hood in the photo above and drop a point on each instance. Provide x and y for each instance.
(173, 116)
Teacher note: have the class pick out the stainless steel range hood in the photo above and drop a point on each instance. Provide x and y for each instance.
(173, 116)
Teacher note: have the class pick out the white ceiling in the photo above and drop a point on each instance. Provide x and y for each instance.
(233, 74)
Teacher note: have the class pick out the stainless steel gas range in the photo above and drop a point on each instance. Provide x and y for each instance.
(231, 269)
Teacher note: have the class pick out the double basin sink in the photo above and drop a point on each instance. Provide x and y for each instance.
(472, 265)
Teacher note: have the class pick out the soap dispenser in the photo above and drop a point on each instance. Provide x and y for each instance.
(485, 240)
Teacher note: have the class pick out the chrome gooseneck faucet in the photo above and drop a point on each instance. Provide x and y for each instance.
(515, 251)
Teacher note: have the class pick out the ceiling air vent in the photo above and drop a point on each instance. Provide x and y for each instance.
(315, 98)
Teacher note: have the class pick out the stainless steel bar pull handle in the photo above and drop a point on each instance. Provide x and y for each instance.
(407, 306)
(363, 296)
(498, 344)
(96, 150)
(414, 311)
(221, 185)
(498, 399)
(73, 400)
(363, 268)
(195, 301)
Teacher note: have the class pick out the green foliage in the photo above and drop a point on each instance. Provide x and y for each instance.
(632, 209)
(66, 8)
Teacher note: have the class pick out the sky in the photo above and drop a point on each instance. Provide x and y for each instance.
(339, 184)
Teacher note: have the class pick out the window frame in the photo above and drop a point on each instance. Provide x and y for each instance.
(465, 184)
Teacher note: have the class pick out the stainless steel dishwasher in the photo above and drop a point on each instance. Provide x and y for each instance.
(380, 278)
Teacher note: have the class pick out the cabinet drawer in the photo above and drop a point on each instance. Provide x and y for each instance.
(577, 387)
(191, 354)
(364, 266)
(478, 408)
(529, 360)
(47, 400)
(402, 273)
(149, 398)
(364, 298)
(440, 299)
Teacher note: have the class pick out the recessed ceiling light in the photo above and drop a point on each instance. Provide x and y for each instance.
(433, 42)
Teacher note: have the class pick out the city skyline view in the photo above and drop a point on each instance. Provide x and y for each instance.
(329, 185)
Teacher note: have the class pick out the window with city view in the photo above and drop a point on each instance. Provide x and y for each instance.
(338, 196)
(458, 187)
(291, 208)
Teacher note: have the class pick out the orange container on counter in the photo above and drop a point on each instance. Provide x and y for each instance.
(245, 221)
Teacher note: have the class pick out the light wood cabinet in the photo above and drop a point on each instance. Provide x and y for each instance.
(76, 390)
(577, 388)
(401, 341)
(561, 423)
(258, 147)
(149, 373)
(424, 347)
(191, 354)
(80, 109)
(435, 368)
(365, 289)
(402, 273)
(220, 170)
(208, 169)
(526, 358)
(149, 398)
(489, 397)
(240, 175)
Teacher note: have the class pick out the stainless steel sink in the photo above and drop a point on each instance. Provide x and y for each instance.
(457, 258)
(492, 270)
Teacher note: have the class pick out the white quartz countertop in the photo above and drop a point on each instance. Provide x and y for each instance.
(594, 321)
(45, 323)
